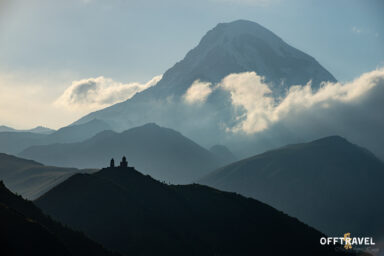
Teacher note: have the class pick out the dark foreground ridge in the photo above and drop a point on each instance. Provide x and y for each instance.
(25, 230)
(137, 215)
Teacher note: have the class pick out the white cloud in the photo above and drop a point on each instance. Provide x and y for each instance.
(28, 99)
(198, 92)
(96, 93)
(249, 92)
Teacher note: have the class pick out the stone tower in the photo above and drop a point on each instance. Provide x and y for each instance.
(124, 163)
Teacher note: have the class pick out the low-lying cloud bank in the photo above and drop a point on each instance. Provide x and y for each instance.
(249, 92)
(353, 110)
(259, 109)
(100, 92)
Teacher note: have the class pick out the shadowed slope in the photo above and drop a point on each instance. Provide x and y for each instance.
(25, 230)
(329, 183)
(133, 213)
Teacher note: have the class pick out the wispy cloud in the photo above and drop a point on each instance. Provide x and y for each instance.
(100, 92)
(28, 99)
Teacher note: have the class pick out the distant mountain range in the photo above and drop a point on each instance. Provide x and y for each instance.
(163, 153)
(75, 133)
(29, 178)
(137, 215)
(15, 142)
(223, 153)
(38, 129)
(235, 47)
(330, 184)
(12, 142)
(25, 230)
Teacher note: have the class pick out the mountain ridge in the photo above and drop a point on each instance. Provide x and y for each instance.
(301, 179)
(37, 129)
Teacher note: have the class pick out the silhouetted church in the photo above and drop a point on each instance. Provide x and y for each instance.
(123, 163)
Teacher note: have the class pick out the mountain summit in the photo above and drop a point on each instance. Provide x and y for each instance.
(242, 46)
(235, 47)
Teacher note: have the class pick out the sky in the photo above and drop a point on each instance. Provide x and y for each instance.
(48, 46)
